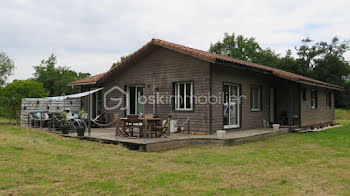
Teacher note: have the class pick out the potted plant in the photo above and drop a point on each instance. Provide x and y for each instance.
(65, 127)
(81, 113)
(81, 130)
(331, 123)
(322, 125)
(312, 126)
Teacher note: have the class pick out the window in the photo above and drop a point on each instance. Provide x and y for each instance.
(184, 96)
(231, 105)
(313, 98)
(255, 100)
(329, 99)
(304, 94)
(135, 101)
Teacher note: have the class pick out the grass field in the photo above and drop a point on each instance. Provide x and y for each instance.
(341, 114)
(6, 120)
(38, 163)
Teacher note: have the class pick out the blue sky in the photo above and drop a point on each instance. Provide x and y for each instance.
(89, 36)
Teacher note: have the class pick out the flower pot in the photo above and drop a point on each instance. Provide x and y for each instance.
(65, 129)
(80, 131)
(276, 127)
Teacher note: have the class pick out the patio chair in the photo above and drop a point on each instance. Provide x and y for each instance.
(160, 131)
(120, 126)
(133, 122)
(55, 117)
(36, 117)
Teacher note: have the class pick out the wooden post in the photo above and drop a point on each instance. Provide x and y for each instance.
(145, 127)
(17, 119)
(41, 121)
(189, 125)
(28, 119)
(53, 122)
(89, 116)
(117, 124)
(168, 128)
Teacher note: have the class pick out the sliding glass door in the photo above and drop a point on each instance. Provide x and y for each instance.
(231, 105)
(135, 106)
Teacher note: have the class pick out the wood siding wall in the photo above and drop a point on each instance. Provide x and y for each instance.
(160, 69)
(249, 119)
(321, 113)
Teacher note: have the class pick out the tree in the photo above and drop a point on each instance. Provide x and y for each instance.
(122, 58)
(55, 79)
(6, 67)
(329, 65)
(322, 60)
(246, 49)
(12, 94)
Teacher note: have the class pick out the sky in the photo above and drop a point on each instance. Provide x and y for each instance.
(88, 36)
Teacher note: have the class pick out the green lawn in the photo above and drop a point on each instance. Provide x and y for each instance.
(341, 114)
(7, 120)
(38, 163)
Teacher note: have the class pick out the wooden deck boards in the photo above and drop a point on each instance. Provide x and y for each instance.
(177, 140)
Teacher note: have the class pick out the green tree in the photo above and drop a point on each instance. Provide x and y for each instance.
(246, 49)
(122, 58)
(12, 94)
(322, 60)
(6, 67)
(55, 78)
(328, 64)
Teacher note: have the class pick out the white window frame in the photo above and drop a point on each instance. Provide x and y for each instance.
(253, 107)
(238, 125)
(136, 96)
(177, 97)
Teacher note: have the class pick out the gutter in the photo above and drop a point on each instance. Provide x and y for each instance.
(81, 84)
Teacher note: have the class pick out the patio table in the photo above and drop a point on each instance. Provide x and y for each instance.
(148, 121)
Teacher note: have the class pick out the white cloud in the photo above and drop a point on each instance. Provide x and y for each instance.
(90, 35)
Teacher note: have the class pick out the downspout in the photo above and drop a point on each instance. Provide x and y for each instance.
(210, 96)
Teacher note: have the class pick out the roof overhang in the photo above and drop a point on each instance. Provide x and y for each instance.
(211, 58)
(81, 84)
(320, 85)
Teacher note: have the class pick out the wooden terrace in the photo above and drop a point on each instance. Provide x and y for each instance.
(177, 140)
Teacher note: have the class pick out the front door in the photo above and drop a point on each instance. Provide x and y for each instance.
(135, 104)
(231, 106)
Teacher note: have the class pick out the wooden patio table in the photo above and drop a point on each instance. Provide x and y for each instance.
(148, 121)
